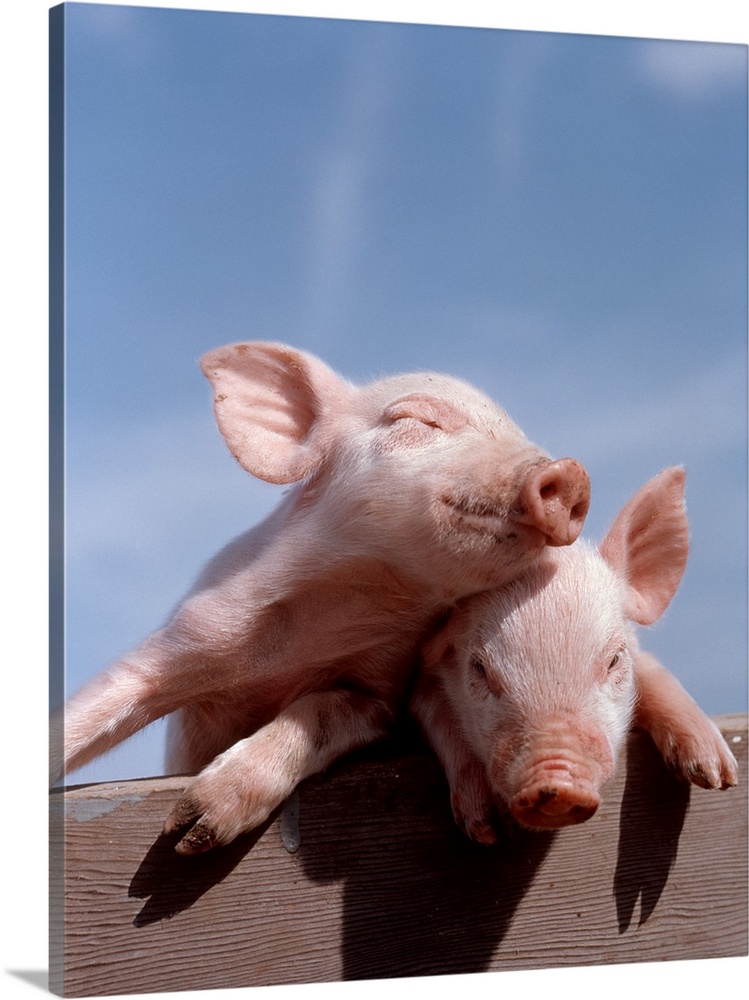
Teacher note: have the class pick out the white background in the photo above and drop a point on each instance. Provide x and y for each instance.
(23, 63)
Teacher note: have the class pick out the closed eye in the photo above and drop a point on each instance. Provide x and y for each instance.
(421, 419)
(428, 419)
(616, 668)
(427, 410)
(486, 681)
(478, 666)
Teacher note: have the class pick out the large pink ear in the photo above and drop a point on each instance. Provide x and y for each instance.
(648, 545)
(275, 406)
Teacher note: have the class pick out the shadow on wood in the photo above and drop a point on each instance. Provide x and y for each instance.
(364, 875)
(172, 882)
(419, 897)
(654, 807)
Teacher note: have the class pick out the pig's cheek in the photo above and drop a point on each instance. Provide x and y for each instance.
(618, 710)
(503, 756)
(422, 463)
(596, 751)
(494, 534)
(410, 433)
(479, 558)
(481, 716)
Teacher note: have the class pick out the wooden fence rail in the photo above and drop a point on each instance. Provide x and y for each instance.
(364, 875)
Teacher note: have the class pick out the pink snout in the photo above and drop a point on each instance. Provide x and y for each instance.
(556, 799)
(555, 499)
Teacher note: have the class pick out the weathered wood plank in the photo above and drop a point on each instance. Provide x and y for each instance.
(364, 875)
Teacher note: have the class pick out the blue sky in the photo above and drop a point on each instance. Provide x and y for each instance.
(560, 219)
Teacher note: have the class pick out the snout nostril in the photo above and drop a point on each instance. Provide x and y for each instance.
(585, 811)
(549, 490)
(554, 498)
(546, 797)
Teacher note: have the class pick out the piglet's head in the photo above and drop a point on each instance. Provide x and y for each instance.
(421, 471)
(540, 674)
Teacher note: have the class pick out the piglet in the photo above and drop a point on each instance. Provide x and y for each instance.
(295, 645)
(527, 691)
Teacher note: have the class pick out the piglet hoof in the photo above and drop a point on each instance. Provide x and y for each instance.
(473, 804)
(214, 810)
(201, 834)
(479, 830)
(472, 819)
(700, 755)
(482, 819)
(717, 770)
(711, 775)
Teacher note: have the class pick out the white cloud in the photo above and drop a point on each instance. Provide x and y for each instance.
(340, 205)
(692, 70)
(515, 96)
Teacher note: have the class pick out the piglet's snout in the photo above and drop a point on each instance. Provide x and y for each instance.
(555, 499)
(555, 797)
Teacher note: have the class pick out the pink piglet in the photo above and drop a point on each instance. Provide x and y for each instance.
(296, 643)
(527, 691)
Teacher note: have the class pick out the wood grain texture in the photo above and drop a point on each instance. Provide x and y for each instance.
(364, 875)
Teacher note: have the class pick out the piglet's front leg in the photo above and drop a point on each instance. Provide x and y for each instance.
(690, 742)
(471, 798)
(240, 789)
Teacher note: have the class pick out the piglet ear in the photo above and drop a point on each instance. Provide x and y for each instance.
(275, 407)
(648, 545)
